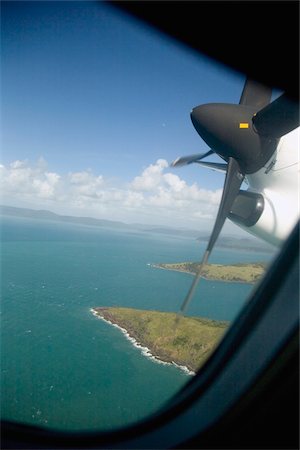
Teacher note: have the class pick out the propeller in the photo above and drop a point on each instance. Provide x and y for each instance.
(184, 160)
(233, 181)
(246, 136)
(278, 118)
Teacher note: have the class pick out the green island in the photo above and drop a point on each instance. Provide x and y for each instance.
(174, 338)
(241, 273)
(185, 341)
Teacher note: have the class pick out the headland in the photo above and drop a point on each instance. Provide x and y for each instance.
(240, 273)
(184, 341)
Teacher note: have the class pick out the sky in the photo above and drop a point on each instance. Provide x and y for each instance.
(94, 108)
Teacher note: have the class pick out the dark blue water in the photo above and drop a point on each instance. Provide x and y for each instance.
(62, 367)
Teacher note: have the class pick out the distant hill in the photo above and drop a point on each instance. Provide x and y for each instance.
(42, 214)
(250, 244)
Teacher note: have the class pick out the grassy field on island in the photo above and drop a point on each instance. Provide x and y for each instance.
(243, 273)
(187, 341)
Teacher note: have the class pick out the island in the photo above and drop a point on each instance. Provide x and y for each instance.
(241, 273)
(168, 337)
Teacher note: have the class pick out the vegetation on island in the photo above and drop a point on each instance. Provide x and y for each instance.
(242, 273)
(186, 341)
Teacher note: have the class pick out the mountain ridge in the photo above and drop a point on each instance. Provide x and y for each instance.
(224, 241)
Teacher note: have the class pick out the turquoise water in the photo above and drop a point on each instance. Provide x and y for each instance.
(61, 366)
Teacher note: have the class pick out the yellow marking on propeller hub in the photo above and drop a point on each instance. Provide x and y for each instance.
(244, 125)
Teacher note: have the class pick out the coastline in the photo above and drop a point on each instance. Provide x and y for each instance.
(147, 352)
(173, 268)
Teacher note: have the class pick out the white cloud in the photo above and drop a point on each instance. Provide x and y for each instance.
(157, 195)
(86, 184)
(151, 177)
(22, 181)
(167, 192)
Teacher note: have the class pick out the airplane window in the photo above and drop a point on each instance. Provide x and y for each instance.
(121, 271)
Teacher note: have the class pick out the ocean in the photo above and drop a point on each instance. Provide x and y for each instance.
(61, 367)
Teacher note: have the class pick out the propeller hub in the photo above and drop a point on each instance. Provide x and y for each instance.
(229, 131)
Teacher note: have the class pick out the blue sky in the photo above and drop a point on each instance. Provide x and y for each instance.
(95, 106)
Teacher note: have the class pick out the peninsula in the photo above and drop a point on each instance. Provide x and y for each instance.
(241, 273)
(184, 341)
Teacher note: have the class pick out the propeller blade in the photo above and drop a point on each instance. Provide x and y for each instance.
(232, 184)
(278, 118)
(219, 167)
(255, 94)
(185, 160)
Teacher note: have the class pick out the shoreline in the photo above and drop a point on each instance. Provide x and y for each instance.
(205, 277)
(144, 350)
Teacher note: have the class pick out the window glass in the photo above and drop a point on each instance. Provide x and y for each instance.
(95, 108)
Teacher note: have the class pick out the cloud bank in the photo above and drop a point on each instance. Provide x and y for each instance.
(156, 196)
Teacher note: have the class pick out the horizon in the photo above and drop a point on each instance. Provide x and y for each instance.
(201, 234)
